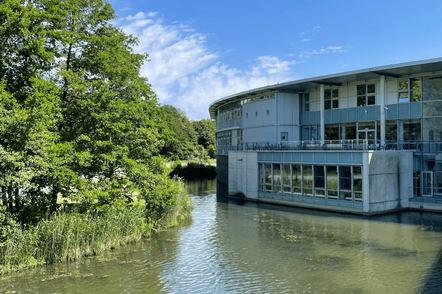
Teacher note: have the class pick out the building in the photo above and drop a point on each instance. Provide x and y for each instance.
(365, 141)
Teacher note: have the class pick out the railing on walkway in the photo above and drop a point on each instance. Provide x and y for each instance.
(362, 144)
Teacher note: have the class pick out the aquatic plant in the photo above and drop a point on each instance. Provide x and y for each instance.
(66, 237)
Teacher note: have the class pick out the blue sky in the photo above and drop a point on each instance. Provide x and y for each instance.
(201, 51)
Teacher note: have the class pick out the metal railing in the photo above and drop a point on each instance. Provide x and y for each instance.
(361, 144)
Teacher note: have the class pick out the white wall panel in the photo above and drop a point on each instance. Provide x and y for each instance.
(392, 98)
(392, 86)
(352, 102)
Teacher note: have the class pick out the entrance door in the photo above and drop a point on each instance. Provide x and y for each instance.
(427, 184)
(368, 136)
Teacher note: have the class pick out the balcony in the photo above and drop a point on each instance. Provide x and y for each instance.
(356, 145)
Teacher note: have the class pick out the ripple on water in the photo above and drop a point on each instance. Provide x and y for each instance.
(228, 247)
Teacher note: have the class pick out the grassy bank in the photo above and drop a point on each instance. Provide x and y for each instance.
(65, 237)
(194, 170)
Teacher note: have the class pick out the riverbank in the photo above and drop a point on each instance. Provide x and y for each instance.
(70, 236)
(194, 170)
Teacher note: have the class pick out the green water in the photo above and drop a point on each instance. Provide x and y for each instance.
(248, 248)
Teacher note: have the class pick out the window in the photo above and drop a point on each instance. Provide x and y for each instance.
(331, 98)
(256, 113)
(305, 102)
(366, 95)
(268, 112)
(409, 90)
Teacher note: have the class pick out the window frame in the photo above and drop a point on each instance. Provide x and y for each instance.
(408, 93)
(331, 98)
(366, 95)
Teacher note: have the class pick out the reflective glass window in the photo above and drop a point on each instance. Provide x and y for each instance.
(348, 131)
(261, 177)
(286, 179)
(319, 181)
(403, 85)
(357, 179)
(361, 90)
(412, 129)
(432, 88)
(331, 132)
(332, 181)
(391, 130)
(277, 178)
(296, 179)
(307, 180)
(268, 179)
(431, 129)
(361, 101)
(432, 108)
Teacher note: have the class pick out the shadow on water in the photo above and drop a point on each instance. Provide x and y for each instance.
(433, 284)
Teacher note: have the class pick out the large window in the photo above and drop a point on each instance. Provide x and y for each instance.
(409, 90)
(286, 179)
(317, 183)
(366, 94)
(296, 180)
(305, 102)
(331, 98)
(331, 132)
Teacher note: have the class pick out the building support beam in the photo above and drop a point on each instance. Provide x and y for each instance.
(383, 108)
(321, 103)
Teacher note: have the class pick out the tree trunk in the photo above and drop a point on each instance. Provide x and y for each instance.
(10, 199)
(17, 200)
(54, 199)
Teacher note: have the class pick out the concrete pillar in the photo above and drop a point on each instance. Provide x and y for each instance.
(382, 111)
(321, 103)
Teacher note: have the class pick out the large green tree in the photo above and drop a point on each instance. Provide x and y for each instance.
(79, 121)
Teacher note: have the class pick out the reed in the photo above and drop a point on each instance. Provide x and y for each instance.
(71, 236)
(181, 210)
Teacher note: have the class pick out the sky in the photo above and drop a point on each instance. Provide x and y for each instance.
(203, 50)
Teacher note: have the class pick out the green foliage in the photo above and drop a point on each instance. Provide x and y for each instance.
(77, 121)
(205, 130)
(71, 236)
(194, 170)
(186, 139)
(179, 212)
(211, 151)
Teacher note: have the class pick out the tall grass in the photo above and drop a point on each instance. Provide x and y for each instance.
(71, 236)
(65, 237)
(181, 210)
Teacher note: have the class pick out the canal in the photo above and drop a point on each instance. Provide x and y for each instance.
(238, 247)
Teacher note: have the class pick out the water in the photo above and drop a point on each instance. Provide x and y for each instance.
(249, 248)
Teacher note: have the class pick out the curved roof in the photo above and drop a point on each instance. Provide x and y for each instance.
(393, 70)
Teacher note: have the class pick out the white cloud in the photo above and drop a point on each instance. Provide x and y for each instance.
(305, 40)
(185, 73)
(330, 49)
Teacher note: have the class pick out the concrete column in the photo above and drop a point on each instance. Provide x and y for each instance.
(382, 111)
(321, 103)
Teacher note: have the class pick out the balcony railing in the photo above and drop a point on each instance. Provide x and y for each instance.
(362, 144)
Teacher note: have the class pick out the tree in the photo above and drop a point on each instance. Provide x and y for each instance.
(182, 139)
(79, 120)
(205, 130)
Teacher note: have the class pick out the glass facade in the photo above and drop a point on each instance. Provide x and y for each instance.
(341, 185)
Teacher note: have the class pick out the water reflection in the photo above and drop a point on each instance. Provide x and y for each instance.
(259, 248)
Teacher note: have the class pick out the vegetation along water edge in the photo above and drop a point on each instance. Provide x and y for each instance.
(84, 140)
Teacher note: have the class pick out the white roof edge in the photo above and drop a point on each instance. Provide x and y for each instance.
(334, 75)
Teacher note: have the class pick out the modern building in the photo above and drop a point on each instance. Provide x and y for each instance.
(367, 141)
